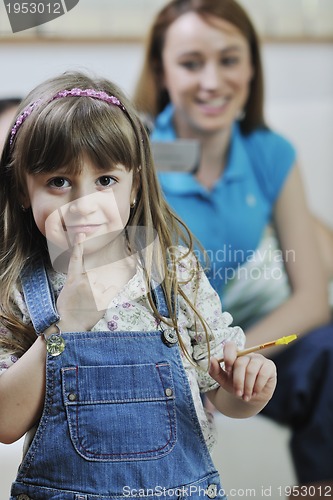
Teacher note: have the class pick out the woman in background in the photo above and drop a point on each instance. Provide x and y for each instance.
(202, 79)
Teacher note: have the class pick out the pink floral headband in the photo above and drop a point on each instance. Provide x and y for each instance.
(96, 94)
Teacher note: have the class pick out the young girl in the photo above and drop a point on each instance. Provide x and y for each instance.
(105, 312)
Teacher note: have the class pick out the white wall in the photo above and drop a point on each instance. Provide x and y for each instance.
(299, 93)
(299, 98)
(10, 459)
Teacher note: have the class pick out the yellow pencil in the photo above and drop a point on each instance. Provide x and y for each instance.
(282, 340)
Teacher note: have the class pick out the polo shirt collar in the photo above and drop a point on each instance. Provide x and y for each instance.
(238, 162)
(164, 129)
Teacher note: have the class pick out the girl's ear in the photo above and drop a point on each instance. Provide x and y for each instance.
(24, 200)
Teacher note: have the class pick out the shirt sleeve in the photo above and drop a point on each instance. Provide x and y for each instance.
(272, 157)
(218, 323)
(8, 357)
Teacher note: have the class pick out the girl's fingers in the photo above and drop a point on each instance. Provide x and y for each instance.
(239, 380)
(251, 376)
(267, 373)
(239, 375)
(229, 354)
(217, 373)
(244, 376)
(75, 266)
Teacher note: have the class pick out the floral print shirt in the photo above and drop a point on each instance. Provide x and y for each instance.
(130, 310)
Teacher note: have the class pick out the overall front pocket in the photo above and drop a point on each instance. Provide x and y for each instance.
(120, 412)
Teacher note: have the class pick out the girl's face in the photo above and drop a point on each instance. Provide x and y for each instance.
(207, 72)
(92, 202)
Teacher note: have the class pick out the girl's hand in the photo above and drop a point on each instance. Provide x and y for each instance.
(76, 303)
(251, 377)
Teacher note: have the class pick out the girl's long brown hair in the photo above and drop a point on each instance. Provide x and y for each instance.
(58, 134)
(151, 97)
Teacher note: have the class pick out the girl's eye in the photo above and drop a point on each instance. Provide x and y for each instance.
(59, 183)
(106, 181)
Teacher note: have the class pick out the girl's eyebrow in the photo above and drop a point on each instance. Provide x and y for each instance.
(65, 171)
(118, 166)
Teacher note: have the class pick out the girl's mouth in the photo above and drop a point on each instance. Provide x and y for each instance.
(82, 228)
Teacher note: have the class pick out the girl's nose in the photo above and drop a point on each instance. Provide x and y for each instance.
(83, 205)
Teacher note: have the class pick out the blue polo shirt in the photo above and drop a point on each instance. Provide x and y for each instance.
(229, 219)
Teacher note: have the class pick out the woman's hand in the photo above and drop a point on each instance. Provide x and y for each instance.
(76, 303)
(251, 378)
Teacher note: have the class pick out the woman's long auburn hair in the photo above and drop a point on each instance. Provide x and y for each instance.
(151, 97)
(58, 134)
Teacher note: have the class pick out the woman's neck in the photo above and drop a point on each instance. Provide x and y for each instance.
(214, 153)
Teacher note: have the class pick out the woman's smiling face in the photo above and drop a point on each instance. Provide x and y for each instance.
(207, 72)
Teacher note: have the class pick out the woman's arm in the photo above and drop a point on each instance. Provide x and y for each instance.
(307, 306)
(325, 240)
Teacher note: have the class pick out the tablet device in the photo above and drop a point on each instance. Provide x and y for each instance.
(181, 155)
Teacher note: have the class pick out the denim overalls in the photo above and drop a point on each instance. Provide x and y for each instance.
(119, 419)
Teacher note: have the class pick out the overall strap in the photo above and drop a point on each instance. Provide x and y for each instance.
(39, 296)
(160, 301)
